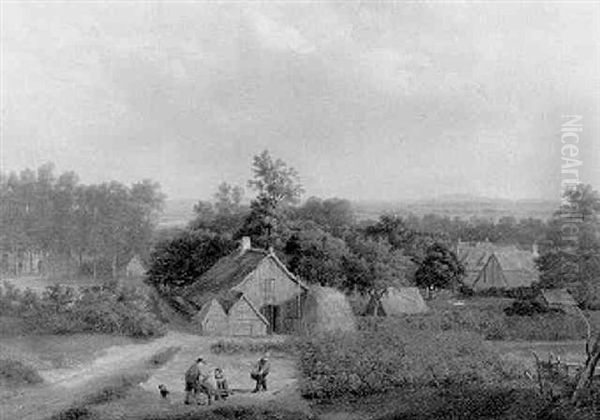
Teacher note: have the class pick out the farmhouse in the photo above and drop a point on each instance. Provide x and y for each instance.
(489, 266)
(264, 290)
(393, 301)
(230, 313)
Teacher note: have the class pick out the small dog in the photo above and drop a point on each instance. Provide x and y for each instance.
(164, 392)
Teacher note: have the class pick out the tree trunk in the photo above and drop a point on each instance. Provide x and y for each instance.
(586, 375)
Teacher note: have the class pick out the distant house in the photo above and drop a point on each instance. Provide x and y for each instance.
(405, 300)
(489, 266)
(135, 268)
(264, 283)
(558, 299)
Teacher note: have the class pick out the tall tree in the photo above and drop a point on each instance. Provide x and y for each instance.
(439, 269)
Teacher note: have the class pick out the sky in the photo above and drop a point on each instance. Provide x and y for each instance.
(371, 101)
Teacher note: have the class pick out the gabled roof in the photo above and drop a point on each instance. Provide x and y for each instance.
(207, 308)
(518, 266)
(558, 297)
(230, 271)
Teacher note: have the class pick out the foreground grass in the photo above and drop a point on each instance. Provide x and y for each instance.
(15, 373)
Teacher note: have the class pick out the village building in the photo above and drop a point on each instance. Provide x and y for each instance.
(489, 266)
(264, 289)
(135, 267)
(558, 299)
(397, 301)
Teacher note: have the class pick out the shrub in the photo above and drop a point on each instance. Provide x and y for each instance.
(388, 356)
(100, 309)
(525, 307)
(15, 373)
(237, 347)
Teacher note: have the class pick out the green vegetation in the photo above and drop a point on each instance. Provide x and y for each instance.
(90, 229)
(252, 346)
(108, 309)
(15, 373)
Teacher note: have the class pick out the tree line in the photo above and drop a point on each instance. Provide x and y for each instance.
(72, 228)
(321, 241)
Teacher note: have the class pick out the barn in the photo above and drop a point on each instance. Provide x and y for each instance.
(211, 319)
(489, 266)
(393, 301)
(265, 284)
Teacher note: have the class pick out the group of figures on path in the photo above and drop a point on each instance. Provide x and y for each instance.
(197, 381)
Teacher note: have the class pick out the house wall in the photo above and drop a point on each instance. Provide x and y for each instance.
(277, 296)
(269, 285)
(214, 323)
(244, 321)
(491, 276)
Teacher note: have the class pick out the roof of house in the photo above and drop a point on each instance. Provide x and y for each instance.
(207, 308)
(230, 271)
(518, 266)
(558, 297)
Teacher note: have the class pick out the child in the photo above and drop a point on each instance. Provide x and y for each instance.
(222, 387)
(164, 392)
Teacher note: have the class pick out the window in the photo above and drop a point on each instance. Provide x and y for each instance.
(269, 290)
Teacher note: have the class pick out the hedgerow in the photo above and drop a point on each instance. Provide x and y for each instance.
(380, 359)
(108, 309)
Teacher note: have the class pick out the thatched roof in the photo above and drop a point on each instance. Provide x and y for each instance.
(326, 309)
(230, 271)
(559, 297)
(406, 300)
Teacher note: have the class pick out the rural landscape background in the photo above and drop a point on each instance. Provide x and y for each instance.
(395, 204)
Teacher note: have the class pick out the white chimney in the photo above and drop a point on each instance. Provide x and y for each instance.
(245, 244)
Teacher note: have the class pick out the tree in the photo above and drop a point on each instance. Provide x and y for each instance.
(373, 265)
(278, 187)
(316, 256)
(180, 261)
(333, 214)
(439, 269)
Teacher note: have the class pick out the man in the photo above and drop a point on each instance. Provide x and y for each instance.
(195, 381)
(260, 372)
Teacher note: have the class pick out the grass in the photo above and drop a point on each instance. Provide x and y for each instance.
(52, 351)
(15, 373)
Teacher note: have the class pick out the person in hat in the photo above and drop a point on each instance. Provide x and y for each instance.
(195, 378)
(260, 372)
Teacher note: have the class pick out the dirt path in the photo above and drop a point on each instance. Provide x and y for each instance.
(64, 386)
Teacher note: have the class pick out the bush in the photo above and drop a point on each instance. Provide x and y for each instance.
(545, 327)
(525, 307)
(237, 347)
(15, 373)
(383, 358)
(100, 309)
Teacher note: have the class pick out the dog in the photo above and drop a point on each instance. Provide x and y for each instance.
(164, 392)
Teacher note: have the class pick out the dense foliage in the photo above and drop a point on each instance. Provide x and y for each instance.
(70, 223)
(388, 356)
(108, 309)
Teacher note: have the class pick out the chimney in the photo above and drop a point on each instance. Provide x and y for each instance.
(271, 249)
(245, 244)
(535, 250)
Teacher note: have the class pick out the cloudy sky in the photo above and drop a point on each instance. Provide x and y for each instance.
(383, 101)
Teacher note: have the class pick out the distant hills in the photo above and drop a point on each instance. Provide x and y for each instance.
(179, 212)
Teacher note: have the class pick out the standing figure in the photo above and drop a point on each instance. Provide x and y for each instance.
(195, 382)
(260, 372)
(222, 386)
